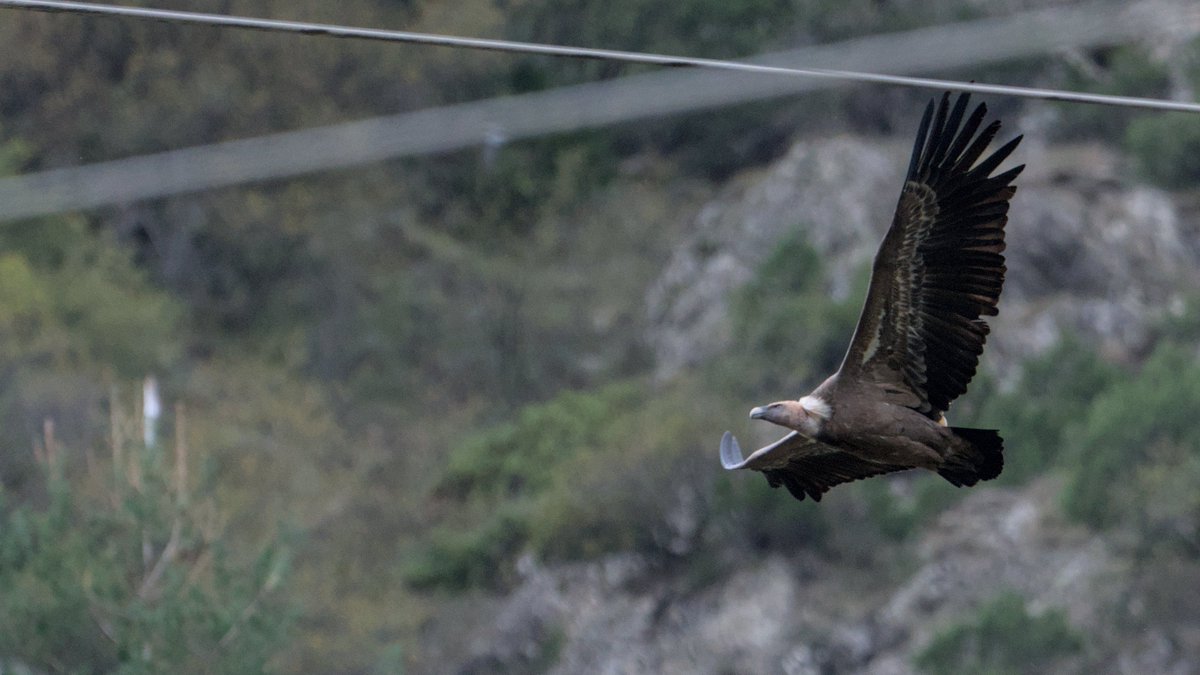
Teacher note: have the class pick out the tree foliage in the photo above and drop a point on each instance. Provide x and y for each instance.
(1046, 408)
(579, 476)
(1132, 464)
(127, 573)
(1003, 638)
(784, 315)
(1166, 148)
(74, 310)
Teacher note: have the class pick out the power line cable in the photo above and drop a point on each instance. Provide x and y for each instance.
(652, 94)
(333, 30)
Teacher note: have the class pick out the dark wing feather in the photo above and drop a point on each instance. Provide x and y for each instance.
(806, 467)
(813, 475)
(940, 266)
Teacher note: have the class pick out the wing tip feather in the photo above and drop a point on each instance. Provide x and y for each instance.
(731, 453)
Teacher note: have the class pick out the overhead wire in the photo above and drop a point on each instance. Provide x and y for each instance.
(656, 93)
(337, 31)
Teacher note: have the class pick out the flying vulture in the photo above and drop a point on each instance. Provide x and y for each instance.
(940, 267)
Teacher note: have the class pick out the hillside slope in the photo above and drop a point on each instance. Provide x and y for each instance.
(1091, 256)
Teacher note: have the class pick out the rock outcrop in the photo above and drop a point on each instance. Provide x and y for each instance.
(1087, 253)
(789, 613)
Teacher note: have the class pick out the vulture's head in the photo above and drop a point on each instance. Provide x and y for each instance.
(808, 415)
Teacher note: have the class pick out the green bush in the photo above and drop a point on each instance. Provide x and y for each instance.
(129, 575)
(1183, 326)
(502, 487)
(1166, 148)
(1129, 432)
(896, 518)
(784, 315)
(1123, 71)
(518, 458)
(627, 468)
(74, 312)
(760, 517)
(479, 556)
(1126, 441)
(73, 298)
(1045, 408)
(647, 489)
(1002, 639)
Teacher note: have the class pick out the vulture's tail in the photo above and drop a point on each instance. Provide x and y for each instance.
(978, 455)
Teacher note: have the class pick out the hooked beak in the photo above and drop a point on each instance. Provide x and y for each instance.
(758, 413)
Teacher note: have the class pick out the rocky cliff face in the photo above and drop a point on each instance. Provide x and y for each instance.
(1087, 252)
(792, 614)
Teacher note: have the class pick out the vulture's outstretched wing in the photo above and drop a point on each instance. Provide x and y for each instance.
(804, 466)
(940, 266)
(813, 476)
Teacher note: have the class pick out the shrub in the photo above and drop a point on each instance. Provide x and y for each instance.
(478, 556)
(1002, 638)
(1124, 71)
(1147, 421)
(129, 574)
(1045, 408)
(648, 489)
(784, 315)
(577, 476)
(92, 306)
(898, 518)
(518, 458)
(766, 518)
(74, 310)
(627, 468)
(1166, 148)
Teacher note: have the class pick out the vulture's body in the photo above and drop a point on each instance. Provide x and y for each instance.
(939, 269)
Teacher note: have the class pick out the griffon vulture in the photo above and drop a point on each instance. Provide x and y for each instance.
(940, 267)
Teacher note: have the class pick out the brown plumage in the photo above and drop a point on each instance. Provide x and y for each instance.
(917, 345)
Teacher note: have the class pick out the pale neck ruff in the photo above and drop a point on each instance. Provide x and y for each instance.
(816, 405)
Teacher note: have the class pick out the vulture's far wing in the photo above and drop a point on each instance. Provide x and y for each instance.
(804, 466)
(813, 476)
(940, 266)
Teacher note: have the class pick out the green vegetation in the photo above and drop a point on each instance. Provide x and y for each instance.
(478, 556)
(519, 458)
(1125, 441)
(1129, 459)
(74, 313)
(1118, 71)
(896, 517)
(125, 571)
(784, 315)
(432, 367)
(1002, 639)
(1166, 148)
(581, 475)
(1046, 407)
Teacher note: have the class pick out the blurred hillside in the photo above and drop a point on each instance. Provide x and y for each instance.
(460, 413)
